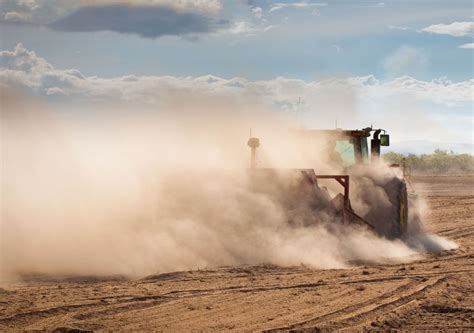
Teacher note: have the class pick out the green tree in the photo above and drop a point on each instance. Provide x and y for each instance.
(439, 162)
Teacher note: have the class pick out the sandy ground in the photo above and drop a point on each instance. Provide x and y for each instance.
(433, 293)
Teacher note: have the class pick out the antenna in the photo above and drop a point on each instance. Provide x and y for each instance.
(336, 122)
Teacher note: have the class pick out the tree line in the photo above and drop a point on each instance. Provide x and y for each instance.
(439, 162)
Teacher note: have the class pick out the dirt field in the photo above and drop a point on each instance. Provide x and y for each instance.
(433, 293)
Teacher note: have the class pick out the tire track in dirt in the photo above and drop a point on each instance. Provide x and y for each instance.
(447, 232)
(348, 309)
(137, 302)
(131, 302)
(446, 257)
(27, 318)
(360, 313)
(419, 275)
(24, 318)
(370, 313)
(113, 309)
(221, 308)
(458, 232)
(246, 289)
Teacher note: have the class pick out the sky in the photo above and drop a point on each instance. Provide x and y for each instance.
(409, 60)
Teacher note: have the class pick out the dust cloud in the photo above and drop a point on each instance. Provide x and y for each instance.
(133, 191)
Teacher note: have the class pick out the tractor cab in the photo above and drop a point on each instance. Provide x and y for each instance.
(349, 147)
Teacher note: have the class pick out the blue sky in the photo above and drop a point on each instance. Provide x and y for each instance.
(342, 38)
(257, 40)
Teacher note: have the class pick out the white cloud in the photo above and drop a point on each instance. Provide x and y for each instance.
(257, 12)
(16, 17)
(270, 27)
(456, 29)
(406, 59)
(398, 27)
(31, 4)
(298, 5)
(241, 28)
(23, 69)
(467, 46)
(439, 91)
(23, 60)
(246, 28)
(36, 11)
(55, 91)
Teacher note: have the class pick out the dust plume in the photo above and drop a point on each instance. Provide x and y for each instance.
(134, 191)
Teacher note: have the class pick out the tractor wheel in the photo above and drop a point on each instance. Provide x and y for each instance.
(390, 222)
(397, 217)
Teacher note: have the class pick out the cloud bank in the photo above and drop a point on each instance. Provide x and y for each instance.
(439, 110)
(467, 46)
(23, 69)
(456, 29)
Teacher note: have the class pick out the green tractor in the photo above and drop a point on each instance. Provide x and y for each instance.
(385, 194)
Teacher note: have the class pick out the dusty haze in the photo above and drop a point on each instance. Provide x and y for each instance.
(134, 191)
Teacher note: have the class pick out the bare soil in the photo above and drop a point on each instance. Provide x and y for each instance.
(433, 293)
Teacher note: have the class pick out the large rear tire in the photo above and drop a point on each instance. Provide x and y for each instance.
(392, 222)
(400, 198)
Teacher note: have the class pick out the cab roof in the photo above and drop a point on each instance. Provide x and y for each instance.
(337, 133)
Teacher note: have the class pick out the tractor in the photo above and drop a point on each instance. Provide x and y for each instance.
(301, 192)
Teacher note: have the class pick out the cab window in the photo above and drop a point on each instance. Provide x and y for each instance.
(345, 150)
(364, 150)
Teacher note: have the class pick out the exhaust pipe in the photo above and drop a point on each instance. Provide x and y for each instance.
(375, 146)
